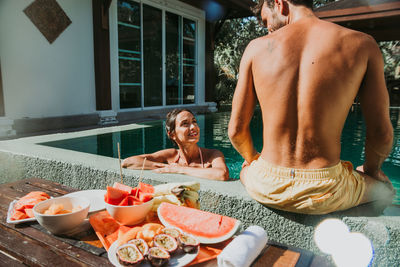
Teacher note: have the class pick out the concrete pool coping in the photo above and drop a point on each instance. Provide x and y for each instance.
(25, 158)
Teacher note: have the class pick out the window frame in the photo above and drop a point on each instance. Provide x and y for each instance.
(184, 11)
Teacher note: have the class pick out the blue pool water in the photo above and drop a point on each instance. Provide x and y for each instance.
(214, 135)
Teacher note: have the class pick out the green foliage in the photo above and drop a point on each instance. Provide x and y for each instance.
(231, 41)
(230, 45)
(391, 56)
(235, 35)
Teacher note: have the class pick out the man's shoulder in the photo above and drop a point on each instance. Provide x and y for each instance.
(343, 32)
(257, 44)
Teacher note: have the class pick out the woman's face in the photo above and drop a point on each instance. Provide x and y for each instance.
(186, 129)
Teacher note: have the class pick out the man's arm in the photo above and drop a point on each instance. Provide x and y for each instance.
(243, 103)
(374, 101)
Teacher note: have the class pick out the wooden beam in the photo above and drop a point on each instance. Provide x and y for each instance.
(105, 6)
(353, 17)
(358, 10)
(209, 60)
(101, 39)
(2, 108)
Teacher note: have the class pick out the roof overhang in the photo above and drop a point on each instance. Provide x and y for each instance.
(381, 19)
(223, 9)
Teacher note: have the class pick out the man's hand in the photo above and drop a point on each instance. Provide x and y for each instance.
(378, 175)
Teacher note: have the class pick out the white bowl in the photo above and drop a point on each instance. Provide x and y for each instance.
(62, 223)
(129, 215)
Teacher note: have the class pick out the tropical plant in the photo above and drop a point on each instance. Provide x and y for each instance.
(231, 41)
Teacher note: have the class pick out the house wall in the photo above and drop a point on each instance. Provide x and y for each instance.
(42, 79)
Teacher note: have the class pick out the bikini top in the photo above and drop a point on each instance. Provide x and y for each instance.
(200, 153)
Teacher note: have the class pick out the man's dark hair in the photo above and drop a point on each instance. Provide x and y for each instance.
(257, 8)
(171, 119)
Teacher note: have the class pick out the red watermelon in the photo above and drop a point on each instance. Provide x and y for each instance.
(209, 228)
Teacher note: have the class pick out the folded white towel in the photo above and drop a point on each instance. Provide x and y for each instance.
(244, 249)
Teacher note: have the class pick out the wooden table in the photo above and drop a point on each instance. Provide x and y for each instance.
(29, 244)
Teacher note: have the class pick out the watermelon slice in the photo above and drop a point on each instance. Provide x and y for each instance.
(145, 188)
(209, 228)
(124, 202)
(115, 195)
(144, 197)
(123, 187)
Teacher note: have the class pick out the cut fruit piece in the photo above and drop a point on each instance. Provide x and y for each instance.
(166, 242)
(124, 202)
(29, 213)
(146, 188)
(144, 197)
(188, 243)
(123, 187)
(141, 245)
(158, 256)
(115, 195)
(129, 255)
(18, 215)
(207, 227)
(174, 232)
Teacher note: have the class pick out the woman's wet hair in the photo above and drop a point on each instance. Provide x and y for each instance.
(270, 3)
(171, 119)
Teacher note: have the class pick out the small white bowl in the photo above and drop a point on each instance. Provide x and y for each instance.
(62, 223)
(129, 215)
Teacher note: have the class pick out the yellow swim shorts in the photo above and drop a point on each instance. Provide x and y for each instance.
(310, 191)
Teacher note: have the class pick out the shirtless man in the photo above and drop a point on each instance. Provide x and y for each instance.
(305, 75)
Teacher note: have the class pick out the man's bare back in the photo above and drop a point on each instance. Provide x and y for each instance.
(305, 75)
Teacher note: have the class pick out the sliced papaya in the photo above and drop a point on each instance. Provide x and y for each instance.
(18, 215)
(26, 203)
(36, 194)
(29, 213)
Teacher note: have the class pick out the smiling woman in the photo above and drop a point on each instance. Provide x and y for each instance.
(189, 158)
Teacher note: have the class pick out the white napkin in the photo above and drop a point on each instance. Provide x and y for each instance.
(244, 249)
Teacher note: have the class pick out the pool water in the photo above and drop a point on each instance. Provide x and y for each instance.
(214, 134)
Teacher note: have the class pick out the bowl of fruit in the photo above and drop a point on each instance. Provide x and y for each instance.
(62, 214)
(129, 205)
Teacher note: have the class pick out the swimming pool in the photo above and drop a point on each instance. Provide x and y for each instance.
(214, 135)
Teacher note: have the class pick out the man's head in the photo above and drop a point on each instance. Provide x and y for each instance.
(273, 13)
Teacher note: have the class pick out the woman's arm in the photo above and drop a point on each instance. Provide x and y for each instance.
(155, 160)
(217, 171)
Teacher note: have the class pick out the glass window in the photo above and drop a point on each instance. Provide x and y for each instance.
(189, 61)
(129, 54)
(189, 28)
(129, 12)
(140, 53)
(130, 96)
(152, 56)
(172, 58)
